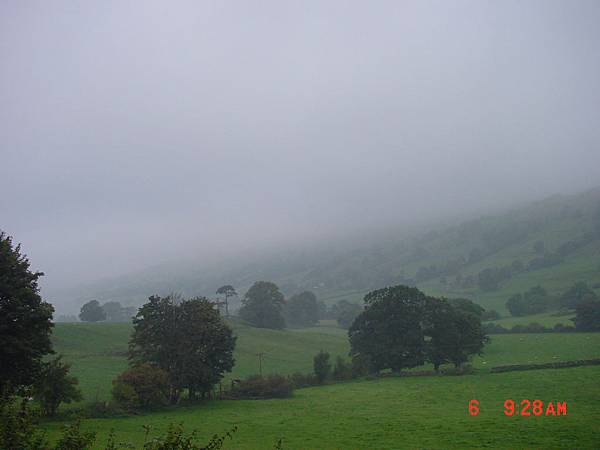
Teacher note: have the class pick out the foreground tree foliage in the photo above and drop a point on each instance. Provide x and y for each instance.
(54, 386)
(402, 328)
(189, 341)
(262, 306)
(25, 320)
(18, 429)
(302, 310)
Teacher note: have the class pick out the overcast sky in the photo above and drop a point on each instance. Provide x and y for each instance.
(133, 133)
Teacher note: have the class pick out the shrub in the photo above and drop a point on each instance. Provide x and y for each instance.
(493, 328)
(533, 327)
(490, 315)
(361, 365)
(55, 386)
(18, 429)
(300, 380)
(560, 328)
(74, 439)
(588, 316)
(342, 370)
(176, 439)
(259, 387)
(321, 366)
(141, 386)
(17, 426)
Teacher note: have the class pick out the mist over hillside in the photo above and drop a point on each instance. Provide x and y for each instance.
(540, 241)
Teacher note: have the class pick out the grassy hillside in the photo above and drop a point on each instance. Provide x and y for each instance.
(440, 259)
(97, 351)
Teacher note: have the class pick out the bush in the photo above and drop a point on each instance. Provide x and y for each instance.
(560, 328)
(300, 380)
(490, 315)
(176, 439)
(533, 327)
(74, 439)
(55, 386)
(342, 370)
(361, 365)
(321, 366)
(493, 328)
(259, 387)
(588, 316)
(141, 386)
(18, 429)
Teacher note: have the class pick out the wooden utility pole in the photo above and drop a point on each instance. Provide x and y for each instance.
(260, 358)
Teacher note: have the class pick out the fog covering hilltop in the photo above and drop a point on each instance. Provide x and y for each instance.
(555, 235)
(307, 142)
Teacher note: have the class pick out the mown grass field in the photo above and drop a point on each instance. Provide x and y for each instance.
(424, 412)
(427, 412)
(97, 351)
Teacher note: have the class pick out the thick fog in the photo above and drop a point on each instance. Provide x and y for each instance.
(133, 133)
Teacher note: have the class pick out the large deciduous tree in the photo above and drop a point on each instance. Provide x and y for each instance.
(25, 319)
(92, 312)
(302, 310)
(262, 306)
(390, 330)
(189, 340)
(401, 328)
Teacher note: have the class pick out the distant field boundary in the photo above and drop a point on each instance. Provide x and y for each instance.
(550, 365)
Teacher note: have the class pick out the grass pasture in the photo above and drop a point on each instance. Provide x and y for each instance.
(415, 412)
(427, 412)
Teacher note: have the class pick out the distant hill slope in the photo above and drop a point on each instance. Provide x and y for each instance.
(553, 242)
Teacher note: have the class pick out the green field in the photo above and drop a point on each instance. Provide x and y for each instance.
(423, 412)
(98, 351)
(428, 412)
(547, 319)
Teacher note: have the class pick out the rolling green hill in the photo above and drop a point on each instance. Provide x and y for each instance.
(554, 242)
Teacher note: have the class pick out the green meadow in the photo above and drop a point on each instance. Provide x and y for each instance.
(414, 412)
(391, 413)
